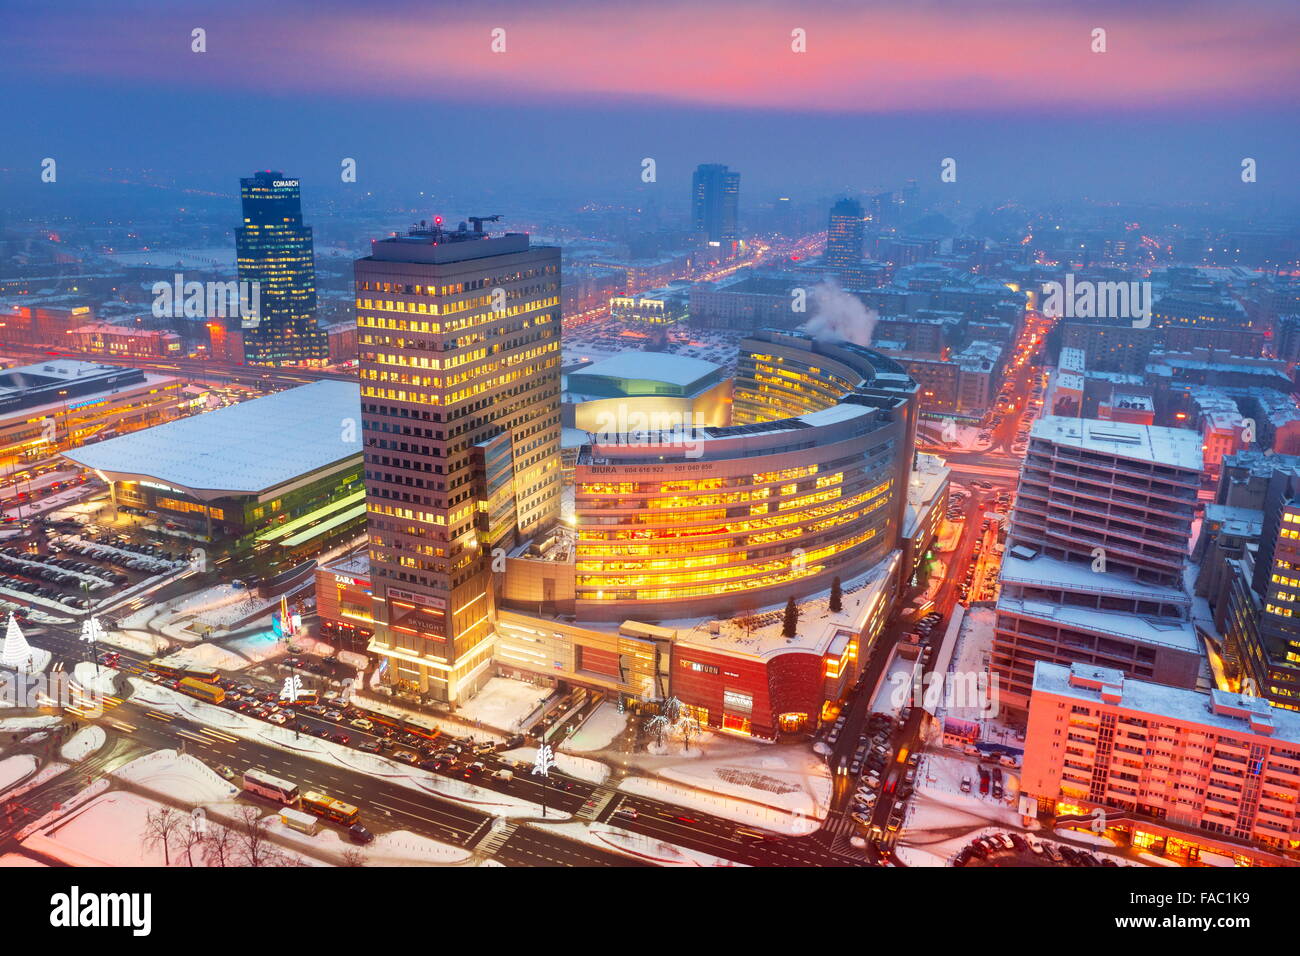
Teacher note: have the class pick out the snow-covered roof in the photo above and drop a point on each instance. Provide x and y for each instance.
(664, 367)
(1222, 710)
(1177, 447)
(1044, 571)
(249, 448)
(819, 627)
(1161, 632)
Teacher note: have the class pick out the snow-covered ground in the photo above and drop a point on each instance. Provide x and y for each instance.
(136, 641)
(84, 743)
(957, 437)
(788, 778)
(766, 818)
(39, 779)
(939, 778)
(592, 771)
(601, 729)
(503, 703)
(19, 859)
(208, 655)
(176, 776)
(11, 725)
(109, 831)
(95, 681)
(14, 770)
(395, 848)
(198, 614)
(171, 702)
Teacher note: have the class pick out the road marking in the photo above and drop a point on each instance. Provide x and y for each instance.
(165, 718)
(219, 735)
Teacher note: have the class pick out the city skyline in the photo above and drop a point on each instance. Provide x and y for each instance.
(589, 435)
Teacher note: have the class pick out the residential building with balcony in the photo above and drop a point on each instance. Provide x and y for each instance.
(1200, 774)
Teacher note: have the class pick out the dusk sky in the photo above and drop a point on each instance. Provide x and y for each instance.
(586, 89)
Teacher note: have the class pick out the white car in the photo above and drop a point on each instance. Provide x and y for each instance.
(279, 717)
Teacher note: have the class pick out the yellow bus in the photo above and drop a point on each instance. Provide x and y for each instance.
(329, 808)
(202, 690)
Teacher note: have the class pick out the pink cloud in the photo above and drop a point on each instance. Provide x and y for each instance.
(868, 60)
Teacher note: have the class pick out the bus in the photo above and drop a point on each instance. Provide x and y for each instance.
(329, 808)
(302, 822)
(202, 690)
(206, 674)
(405, 726)
(273, 788)
(165, 670)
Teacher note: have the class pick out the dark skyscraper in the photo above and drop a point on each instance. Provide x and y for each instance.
(715, 200)
(844, 235)
(274, 249)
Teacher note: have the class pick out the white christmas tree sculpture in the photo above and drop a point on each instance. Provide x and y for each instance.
(16, 651)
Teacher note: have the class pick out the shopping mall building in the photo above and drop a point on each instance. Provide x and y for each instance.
(680, 549)
(268, 482)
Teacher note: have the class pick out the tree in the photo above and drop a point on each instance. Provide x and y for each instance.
(219, 846)
(354, 857)
(160, 826)
(251, 832)
(193, 836)
(791, 625)
(658, 727)
(689, 727)
(837, 597)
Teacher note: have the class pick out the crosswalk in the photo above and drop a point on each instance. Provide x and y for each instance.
(841, 826)
(495, 840)
(601, 798)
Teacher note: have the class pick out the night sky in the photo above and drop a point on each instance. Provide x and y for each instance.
(586, 90)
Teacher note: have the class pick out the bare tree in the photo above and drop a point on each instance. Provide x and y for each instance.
(689, 727)
(251, 832)
(219, 847)
(193, 836)
(353, 856)
(160, 827)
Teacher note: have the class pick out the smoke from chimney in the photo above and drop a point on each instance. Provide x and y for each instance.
(839, 316)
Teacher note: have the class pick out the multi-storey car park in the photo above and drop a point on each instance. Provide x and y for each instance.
(1095, 554)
